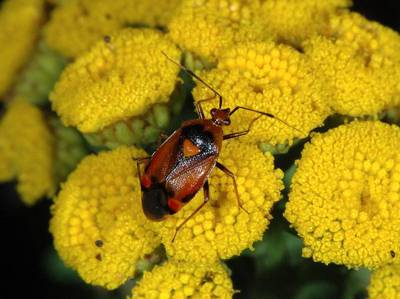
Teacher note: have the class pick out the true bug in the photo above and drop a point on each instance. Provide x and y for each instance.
(183, 162)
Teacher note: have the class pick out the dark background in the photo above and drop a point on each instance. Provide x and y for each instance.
(26, 245)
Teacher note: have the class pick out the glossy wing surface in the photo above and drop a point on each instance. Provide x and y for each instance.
(189, 176)
(164, 158)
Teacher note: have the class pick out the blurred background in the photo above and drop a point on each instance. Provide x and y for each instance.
(30, 267)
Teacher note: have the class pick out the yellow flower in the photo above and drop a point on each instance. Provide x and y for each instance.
(221, 229)
(271, 78)
(359, 57)
(294, 21)
(179, 280)
(19, 26)
(345, 195)
(149, 12)
(77, 24)
(98, 225)
(207, 27)
(27, 151)
(379, 45)
(119, 78)
(385, 283)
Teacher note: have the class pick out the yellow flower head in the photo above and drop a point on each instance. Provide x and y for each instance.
(119, 78)
(293, 21)
(98, 225)
(149, 12)
(345, 196)
(19, 25)
(359, 57)
(27, 151)
(221, 229)
(271, 78)
(379, 45)
(385, 283)
(77, 24)
(207, 27)
(178, 279)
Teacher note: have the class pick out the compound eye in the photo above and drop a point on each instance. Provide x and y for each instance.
(213, 111)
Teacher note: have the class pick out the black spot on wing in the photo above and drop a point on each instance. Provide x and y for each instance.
(202, 139)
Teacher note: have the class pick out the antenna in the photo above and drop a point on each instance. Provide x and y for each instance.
(191, 73)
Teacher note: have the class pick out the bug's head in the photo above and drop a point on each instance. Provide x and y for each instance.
(221, 117)
(154, 203)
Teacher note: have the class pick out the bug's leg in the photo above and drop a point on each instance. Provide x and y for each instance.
(230, 173)
(266, 114)
(140, 161)
(199, 108)
(206, 189)
(191, 73)
(241, 133)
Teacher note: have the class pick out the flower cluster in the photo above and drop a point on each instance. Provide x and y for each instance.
(100, 204)
(344, 200)
(295, 21)
(272, 78)
(115, 78)
(78, 24)
(206, 28)
(110, 72)
(39, 152)
(98, 226)
(359, 57)
(185, 280)
(27, 151)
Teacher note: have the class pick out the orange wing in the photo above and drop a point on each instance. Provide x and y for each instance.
(164, 159)
(189, 177)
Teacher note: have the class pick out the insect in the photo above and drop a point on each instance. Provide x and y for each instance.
(181, 165)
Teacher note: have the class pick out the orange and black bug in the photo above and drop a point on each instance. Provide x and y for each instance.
(183, 162)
